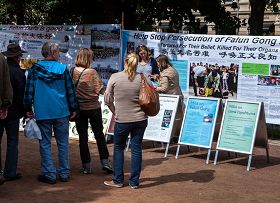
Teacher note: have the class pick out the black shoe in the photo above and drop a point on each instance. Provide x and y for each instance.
(64, 179)
(44, 179)
(16, 177)
(106, 166)
(2, 179)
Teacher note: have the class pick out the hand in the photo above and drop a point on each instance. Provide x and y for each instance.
(30, 114)
(72, 115)
(3, 113)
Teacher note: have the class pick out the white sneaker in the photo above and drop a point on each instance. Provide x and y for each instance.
(112, 184)
(134, 187)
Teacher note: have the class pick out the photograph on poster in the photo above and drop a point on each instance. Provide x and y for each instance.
(208, 117)
(166, 118)
(108, 35)
(275, 70)
(212, 79)
(268, 81)
(130, 47)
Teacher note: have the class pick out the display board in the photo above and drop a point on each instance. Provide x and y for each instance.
(199, 123)
(160, 126)
(4, 39)
(106, 119)
(239, 125)
(103, 39)
(248, 66)
(243, 122)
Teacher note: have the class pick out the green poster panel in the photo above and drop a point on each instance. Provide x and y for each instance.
(255, 68)
(239, 126)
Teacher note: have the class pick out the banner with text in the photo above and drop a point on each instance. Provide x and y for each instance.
(104, 39)
(248, 67)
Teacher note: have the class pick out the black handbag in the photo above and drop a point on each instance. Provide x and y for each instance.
(76, 84)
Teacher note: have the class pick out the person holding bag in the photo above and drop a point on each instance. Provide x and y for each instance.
(51, 79)
(123, 89)
(88, 87)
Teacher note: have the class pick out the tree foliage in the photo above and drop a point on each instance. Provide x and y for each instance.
(180, 13)
(141, 14)
(257, 14)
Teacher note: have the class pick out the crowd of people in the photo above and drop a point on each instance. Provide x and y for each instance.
(213, 80)
(73, 96)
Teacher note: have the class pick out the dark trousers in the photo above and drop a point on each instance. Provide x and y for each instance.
(200, 81)
(12, 130)
(95, 119)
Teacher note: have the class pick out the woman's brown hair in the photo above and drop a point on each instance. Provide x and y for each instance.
(163, 62)
(84, 58)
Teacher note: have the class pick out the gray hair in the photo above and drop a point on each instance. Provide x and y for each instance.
(49, 48)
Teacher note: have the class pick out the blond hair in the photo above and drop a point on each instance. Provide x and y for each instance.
(130, 65)
(84, 58)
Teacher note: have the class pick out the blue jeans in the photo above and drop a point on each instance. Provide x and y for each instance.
(121, 132)
(12, 129)
(61, 132)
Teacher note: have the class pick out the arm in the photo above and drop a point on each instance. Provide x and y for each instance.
(155, 69)
(7, 90)
(163, 84)
(97, 83)
(29, 94)
(109, 96)
(70, 92)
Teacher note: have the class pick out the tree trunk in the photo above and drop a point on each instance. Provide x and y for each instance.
(257, 16)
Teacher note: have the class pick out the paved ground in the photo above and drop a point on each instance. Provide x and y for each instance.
(186, 179)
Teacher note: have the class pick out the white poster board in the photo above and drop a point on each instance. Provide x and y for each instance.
(160, 126)
(106, 119)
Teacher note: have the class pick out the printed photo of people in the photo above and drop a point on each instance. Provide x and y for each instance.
(166, 118)
(130, 47)
(213, 79)
(268, 81)
(275, 70)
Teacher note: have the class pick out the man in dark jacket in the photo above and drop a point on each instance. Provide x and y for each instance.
(6, 96)
(15, 112)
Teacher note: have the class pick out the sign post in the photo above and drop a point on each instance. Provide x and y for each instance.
(199, 123)
(243, 123)
(160, 127)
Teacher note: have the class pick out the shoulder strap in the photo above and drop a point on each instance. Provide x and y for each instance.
(79, 76)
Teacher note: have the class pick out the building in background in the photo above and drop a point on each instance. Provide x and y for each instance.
(242, 10)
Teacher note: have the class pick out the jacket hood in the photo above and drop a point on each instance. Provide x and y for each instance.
(49, 70)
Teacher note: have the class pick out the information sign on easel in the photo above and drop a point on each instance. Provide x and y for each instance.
(160, 126)
(243, 123)
(199, 123)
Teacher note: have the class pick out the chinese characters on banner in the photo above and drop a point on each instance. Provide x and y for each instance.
(248, 66)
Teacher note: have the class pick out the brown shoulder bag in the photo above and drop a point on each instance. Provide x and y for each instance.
(148, 98)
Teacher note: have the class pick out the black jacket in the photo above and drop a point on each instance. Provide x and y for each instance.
(18, 80)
